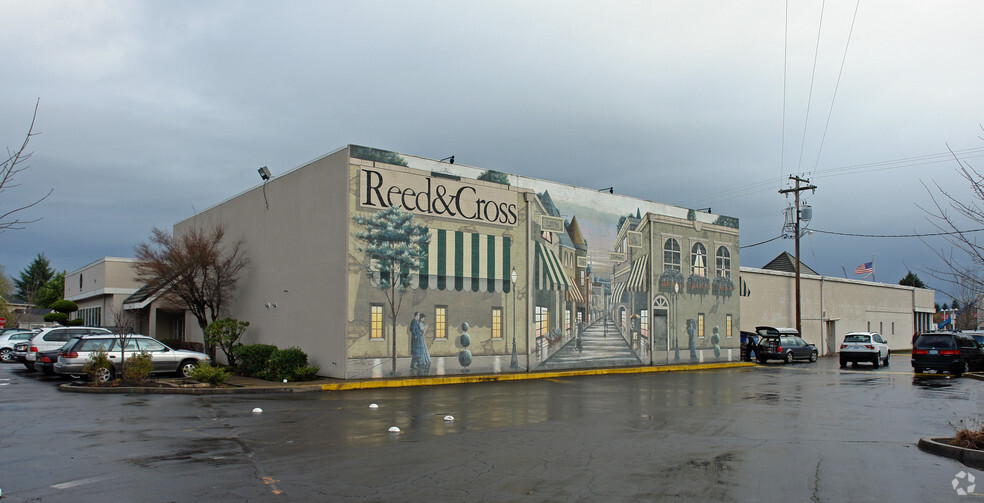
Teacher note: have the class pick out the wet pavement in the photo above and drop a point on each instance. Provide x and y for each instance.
(801, 432)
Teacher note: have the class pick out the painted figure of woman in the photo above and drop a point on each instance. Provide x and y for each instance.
(419, 356)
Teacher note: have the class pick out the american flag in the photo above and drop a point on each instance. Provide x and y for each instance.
(865, 268)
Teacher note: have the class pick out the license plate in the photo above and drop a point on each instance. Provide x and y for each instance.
(933, 352)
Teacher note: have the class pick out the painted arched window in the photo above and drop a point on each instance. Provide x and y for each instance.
(723, 262)
(671, 255)
(699, 259)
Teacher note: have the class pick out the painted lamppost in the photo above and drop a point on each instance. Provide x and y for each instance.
(514, 363)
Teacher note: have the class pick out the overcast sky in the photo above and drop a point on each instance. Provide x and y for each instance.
(150, 111)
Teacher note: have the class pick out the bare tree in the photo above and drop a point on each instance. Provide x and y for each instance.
(12, 166)
(958, 221)
(197, 269)
(123, 321)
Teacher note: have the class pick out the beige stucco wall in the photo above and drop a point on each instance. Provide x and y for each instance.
(105, 283)
(294, 291)
(832, 307)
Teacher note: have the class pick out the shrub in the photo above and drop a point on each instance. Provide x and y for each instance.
(64, 306)
(968, 434)
(59, 318)
(94, 368)
(225, 334)
(211, 375)
(251, 359)
(305, 373)
(283, 363)
(137, 367)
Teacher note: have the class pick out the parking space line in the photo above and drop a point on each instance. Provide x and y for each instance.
(81, 482)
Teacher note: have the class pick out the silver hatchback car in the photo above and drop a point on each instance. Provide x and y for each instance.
(71, 360)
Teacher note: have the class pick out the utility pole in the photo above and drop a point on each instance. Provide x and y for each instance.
(796, 189)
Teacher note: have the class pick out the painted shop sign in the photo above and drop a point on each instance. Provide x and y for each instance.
(436, 196)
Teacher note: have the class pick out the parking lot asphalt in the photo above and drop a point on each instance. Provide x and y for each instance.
(774, 432)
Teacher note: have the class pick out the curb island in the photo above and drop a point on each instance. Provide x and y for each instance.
(941, 447)
(238, 384)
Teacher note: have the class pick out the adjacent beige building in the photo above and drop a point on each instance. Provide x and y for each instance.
(832, 307)
(100, 288)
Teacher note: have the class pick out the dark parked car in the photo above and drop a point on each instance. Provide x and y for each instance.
(783, 344)
(947, 351)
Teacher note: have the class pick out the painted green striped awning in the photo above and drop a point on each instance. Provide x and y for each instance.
(549, 274)
(465, 262)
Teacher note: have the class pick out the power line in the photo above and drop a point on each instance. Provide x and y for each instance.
(931, 234)
(905, 162)
(813, 76)
(856, 235)
(837, 85)
(760, 242)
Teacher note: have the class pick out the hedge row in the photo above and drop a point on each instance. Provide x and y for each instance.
(266, 361)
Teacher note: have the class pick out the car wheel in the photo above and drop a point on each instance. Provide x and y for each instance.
(5, 354)
(874, 363)
(917, 370)
(843, 363)
(105, 374)
(886, 359)
(964, 368)
(187, 368)
(789, 357)
(814, 355)
(762, 359)
(29, 365)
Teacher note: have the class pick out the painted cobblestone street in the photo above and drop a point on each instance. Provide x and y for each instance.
(801, 432)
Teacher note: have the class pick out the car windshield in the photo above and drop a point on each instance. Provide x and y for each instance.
(934, 342)
(857, 338)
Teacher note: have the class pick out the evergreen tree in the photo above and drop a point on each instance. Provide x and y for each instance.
(33, 278)
(911, 279)
(50, 292)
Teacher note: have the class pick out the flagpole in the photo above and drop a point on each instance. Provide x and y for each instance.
(872, 267)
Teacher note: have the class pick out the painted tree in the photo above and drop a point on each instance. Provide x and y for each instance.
(33, 277)
(395, 244)
(198, 269)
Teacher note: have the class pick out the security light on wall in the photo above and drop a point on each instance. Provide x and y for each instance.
(264, 173)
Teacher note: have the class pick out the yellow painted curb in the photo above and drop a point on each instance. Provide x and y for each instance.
(521, 376)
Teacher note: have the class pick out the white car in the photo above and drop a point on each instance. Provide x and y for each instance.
(52, 338)
(7, 341)
(863, 347)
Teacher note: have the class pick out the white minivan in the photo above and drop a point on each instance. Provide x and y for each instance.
(52, 338)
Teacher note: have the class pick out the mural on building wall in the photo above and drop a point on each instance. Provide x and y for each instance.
(602, 280)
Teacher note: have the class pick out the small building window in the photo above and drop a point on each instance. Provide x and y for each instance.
(698, 256)
(496, 322)
(542, 320)
(376, 321)
(644, 322)
(723, 262)
(700, 324)
(567, 320)
(441, 322)
(671, 255)
(728, 327)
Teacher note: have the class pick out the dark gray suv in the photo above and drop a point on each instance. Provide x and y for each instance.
(951, 352)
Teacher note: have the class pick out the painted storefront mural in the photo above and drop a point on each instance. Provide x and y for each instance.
(524, 274)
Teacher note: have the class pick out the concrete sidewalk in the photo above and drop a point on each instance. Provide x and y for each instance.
(239, 384)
